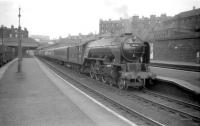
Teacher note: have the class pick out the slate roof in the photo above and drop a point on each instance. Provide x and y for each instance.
(189, 13)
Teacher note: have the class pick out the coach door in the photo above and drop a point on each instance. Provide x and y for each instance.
(67, 55)
(79, 54)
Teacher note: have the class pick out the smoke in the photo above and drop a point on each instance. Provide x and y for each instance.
(109, 3)
(122, 11)
(117, 7)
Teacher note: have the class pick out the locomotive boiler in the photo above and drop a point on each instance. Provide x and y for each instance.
(121, 60)
(115, 60)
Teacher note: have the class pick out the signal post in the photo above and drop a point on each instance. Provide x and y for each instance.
(19, 46)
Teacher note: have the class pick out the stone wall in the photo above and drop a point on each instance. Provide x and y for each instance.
(176, 50)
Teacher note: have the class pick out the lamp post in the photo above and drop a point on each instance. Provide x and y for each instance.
(19, 45)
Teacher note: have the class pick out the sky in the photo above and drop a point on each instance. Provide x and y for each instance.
(57, 18)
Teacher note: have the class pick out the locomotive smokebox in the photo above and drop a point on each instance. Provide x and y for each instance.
(132, 49)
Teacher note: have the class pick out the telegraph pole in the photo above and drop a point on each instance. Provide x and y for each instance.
(19, 46)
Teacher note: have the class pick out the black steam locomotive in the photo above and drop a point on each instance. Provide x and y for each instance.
(116, 60)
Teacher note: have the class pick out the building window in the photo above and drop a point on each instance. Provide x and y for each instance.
(10, 35)
(16, 35)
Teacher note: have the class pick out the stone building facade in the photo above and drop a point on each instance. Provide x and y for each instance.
(178, 39)
(138, 26)
(12, 32)
(75, 39)
(114, 26)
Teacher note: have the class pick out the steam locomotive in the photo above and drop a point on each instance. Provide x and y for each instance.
(115, 60)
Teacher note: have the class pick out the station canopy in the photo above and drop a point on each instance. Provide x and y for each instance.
(26, 42)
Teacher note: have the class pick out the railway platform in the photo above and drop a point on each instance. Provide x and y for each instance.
(176, 63)
(38, 96)
(190, 80)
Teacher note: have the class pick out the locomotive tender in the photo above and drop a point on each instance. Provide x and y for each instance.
(117, 60)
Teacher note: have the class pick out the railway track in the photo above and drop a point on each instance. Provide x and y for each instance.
(147, 121)
(180, 102)
(182, 111)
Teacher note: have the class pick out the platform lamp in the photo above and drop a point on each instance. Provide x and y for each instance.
(19, 45)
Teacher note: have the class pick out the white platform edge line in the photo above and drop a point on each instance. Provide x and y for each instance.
(91, 98)
(173, 69)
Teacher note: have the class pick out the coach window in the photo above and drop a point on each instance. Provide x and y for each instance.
(80, 49)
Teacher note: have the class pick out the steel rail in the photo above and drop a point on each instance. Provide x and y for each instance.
(127, 109)
(170, 109)
(195, 106)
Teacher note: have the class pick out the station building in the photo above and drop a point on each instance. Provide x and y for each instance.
(10, 37)
(12, 32)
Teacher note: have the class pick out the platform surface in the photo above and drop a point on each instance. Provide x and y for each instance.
(36, 97)
(186, 79)
(176, 63)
